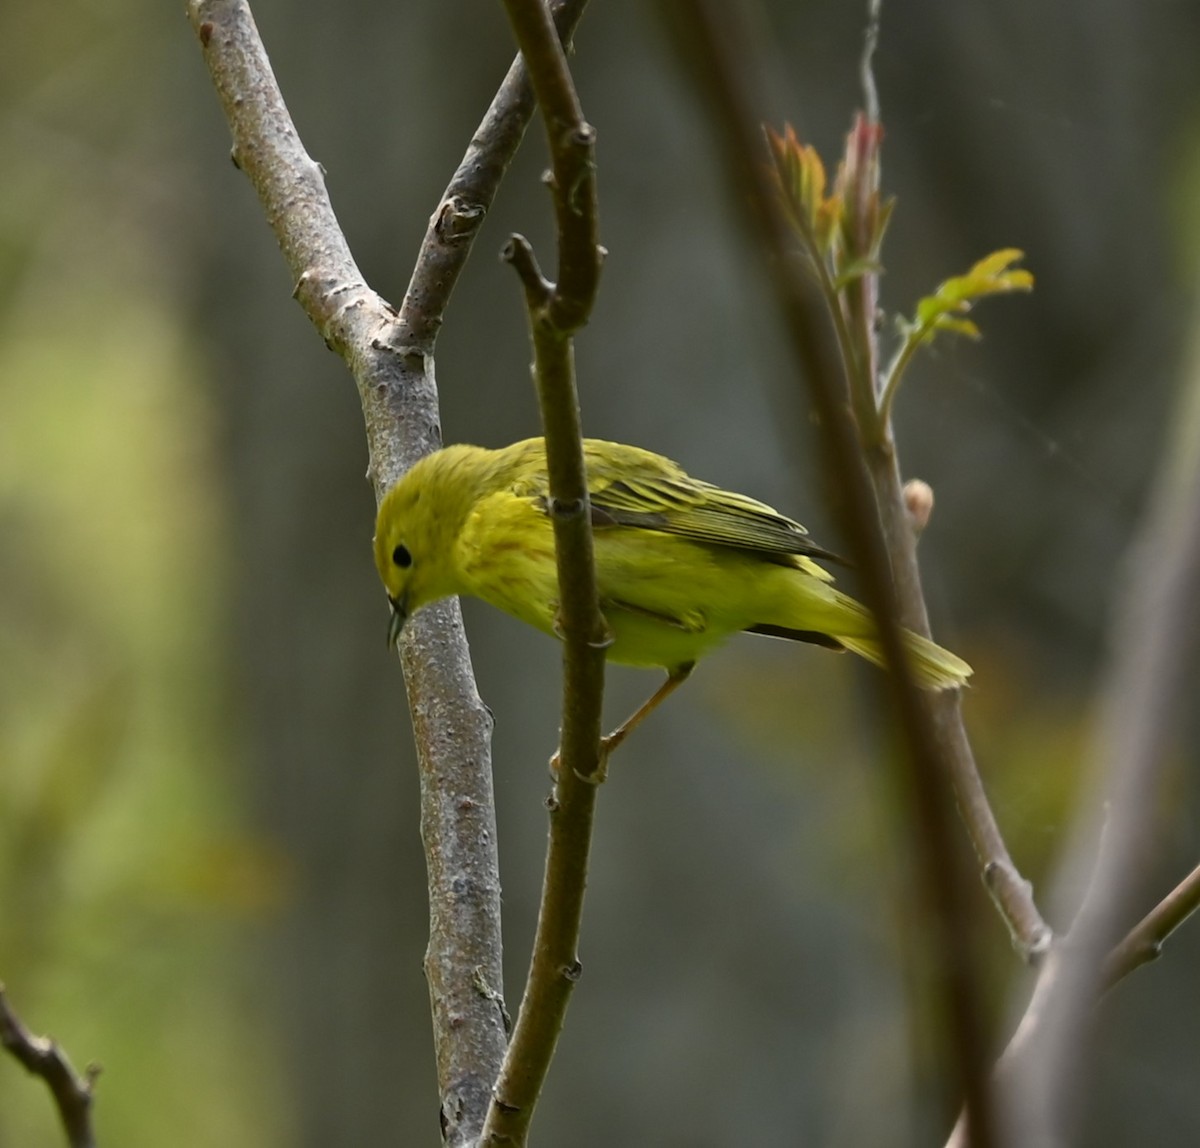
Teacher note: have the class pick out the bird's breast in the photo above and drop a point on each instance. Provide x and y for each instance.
(505, 555)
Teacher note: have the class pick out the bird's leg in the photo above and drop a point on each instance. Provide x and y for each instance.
(675, 679)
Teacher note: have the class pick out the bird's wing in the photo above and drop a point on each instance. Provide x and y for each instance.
(632, 487)
(653, 493)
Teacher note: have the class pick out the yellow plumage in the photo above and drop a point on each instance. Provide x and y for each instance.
(680, 564)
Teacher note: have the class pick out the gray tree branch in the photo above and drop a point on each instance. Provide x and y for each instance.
(390, 355)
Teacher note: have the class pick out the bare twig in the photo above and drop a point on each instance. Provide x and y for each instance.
(1011, 893)
(469, 194)
(391, 357)
(709, 40)
(1143, 943)
(42, 1057)
(556, 312)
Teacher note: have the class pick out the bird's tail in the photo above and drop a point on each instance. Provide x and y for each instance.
(931, 666)
(815, 610)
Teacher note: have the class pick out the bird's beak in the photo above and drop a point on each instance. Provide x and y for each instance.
(396, 622)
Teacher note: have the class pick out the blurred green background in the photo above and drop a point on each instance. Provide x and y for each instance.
(210, 874)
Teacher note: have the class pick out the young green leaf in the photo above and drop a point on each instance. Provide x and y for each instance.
(992, 275)
(946, 310)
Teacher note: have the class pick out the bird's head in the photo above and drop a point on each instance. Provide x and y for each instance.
(415, 532)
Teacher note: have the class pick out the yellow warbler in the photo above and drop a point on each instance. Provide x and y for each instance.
(680, 564)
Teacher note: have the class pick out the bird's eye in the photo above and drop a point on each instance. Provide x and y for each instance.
(401, 557)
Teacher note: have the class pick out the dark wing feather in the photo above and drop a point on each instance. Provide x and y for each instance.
(633, 487)
(815, 637)
(646, 491)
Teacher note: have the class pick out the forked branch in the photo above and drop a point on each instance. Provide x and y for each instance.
(391, 357)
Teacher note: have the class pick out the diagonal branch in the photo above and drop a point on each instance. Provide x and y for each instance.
(1011, 893)
(391, 357)
(469, 194)
(556, 312)
(1143, 943)
(711, 42)
(42, 1057)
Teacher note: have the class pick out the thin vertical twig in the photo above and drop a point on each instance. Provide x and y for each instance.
(867, 66)
(556, 312)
